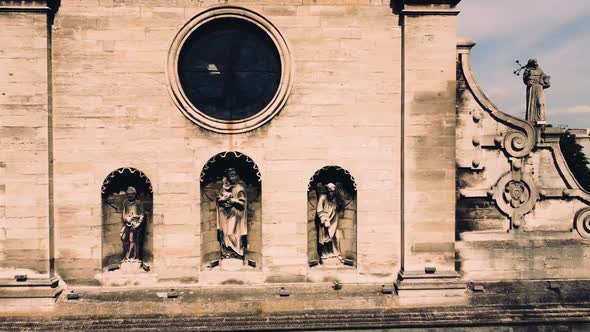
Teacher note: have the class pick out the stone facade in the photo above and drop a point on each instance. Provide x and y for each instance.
(112, 109)
(447, 188)
(503, 235)
(26, 209)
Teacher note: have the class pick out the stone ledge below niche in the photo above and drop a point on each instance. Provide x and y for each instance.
(496, 235)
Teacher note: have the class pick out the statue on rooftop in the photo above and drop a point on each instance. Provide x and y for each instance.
(536, 81)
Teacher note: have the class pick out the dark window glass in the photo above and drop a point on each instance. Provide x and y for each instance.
(230, 69)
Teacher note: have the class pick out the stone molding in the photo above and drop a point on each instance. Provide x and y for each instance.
(229, 126)
(522, 139)
(432, 2)
(223, 155)
(317, 173)
(358, 307)
(582, 223)
(430, 11)
(51, 6)
(131, 170)
(430, 7)
(31, 288)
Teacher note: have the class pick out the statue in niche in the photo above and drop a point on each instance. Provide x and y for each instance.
(329, 206)
(232, 223)
(536, 81)
(133, 226)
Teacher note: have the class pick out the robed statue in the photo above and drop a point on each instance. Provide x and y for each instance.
(133, 226)
(536, 81)
(332, 199)
(232, 213)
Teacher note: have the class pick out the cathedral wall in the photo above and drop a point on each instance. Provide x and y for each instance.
(112, 110)
(24, 210)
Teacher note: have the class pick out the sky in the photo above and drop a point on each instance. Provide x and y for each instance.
(557, 33)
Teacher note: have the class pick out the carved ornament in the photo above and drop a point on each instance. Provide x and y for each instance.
(582, 223)
(516, 197)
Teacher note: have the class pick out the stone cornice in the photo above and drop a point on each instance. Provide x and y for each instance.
(451, 3)
(429, 7)
(523, 135)
(49, 6)
(429, 11)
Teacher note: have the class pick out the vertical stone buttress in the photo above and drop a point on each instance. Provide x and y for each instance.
(428, 162)
(26, 167)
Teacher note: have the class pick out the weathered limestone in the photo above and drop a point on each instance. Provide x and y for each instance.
(428, 165)
(443, 189)
(26, 181)
(521, 213)
(113, 110)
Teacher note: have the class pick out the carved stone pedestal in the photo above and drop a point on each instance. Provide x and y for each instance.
(231, 264)
(129, 273)
(31, 292)
(332, 262)
(430, 289)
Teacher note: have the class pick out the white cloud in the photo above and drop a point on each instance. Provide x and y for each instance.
(488, 19)
(558, 35)
(578, 109)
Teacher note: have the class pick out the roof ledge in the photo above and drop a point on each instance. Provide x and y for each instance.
(430, 7)
(49, 6)
(451, 3)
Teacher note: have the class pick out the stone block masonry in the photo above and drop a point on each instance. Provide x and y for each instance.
(429, 49)
(112, 110)
(25, 141)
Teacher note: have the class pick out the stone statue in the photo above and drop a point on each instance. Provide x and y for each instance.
(133, 226)
(536, 81)
(328, 209)
(232, 213)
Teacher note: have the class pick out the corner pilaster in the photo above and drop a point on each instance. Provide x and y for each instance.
(26, 160)
(428, 163)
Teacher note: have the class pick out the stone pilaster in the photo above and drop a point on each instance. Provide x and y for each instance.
(26, 181)
(429, 92)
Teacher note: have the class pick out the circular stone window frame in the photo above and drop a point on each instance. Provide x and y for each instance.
(229, 126)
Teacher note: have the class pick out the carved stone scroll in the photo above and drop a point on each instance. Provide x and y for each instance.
(582, 223)
(517, 144)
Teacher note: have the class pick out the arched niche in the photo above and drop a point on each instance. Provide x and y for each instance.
(114, 193)
(213, 252)
(344, 202)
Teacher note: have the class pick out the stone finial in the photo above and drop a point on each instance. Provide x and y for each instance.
(464, 45)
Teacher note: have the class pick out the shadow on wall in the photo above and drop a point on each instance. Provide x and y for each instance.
(113, 195)
(396, 6)
(576, 159)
